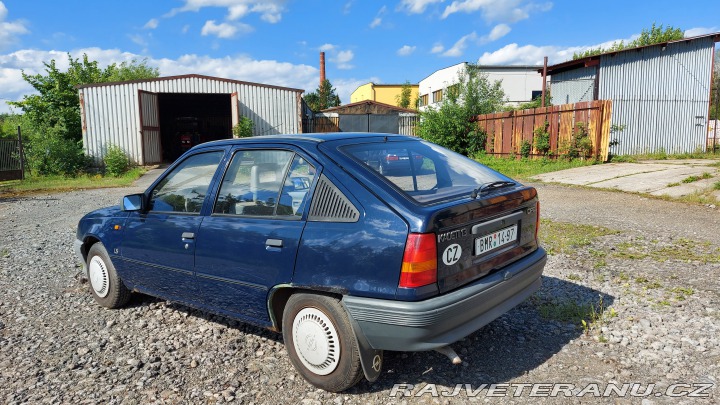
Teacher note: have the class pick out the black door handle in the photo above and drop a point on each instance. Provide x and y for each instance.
(278, 243)
(188, 235)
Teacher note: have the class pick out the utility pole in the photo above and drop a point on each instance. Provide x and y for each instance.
(544, 85)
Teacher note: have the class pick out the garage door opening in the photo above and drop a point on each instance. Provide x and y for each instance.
(187, 120)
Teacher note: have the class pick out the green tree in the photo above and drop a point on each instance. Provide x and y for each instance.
(323, 97)
(57, 104)
(449, 125)
(51, 117)
(655, 35)
(403, 99)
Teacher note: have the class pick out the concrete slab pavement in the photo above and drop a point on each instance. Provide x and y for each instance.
(664, 177)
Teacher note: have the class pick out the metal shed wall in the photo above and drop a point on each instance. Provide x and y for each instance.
(661, 95)
(573, 86)
(111, 116)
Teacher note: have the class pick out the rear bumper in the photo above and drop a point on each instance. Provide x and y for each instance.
(439, 321)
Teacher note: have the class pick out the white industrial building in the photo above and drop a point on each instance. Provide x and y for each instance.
(521, 84)
(155, 120)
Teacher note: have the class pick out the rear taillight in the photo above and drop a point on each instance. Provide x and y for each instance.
(537, 219)
(391, 158)
(419, 265)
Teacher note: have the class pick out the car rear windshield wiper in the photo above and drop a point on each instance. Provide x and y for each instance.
(492, 185)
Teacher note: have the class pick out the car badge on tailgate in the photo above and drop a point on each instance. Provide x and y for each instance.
(452, 235)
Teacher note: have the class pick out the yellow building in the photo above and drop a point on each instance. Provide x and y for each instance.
(383, 93)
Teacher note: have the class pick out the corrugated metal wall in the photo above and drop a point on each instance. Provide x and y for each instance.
(111, 113)
(661, 96)
(573, 86)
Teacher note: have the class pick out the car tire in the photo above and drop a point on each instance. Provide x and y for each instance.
(321, 342)
(105, 285)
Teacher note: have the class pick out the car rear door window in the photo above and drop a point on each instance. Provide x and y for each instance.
(264, 183)
(183, 190)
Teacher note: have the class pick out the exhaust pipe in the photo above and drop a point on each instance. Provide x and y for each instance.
(450, 353)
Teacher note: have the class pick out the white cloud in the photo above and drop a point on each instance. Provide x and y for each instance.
(9, 30)
(513, 54)
(270, 10)
(343, 59)
(224, 30)
(498, 32)
(416, 6)
(240, 67)
(694, 32)
(152, 24)
(437, 48)
(459, 47)
(406, 50)
(347, 7)
(508, 11)
(378, 17)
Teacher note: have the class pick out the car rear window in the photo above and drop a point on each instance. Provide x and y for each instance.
(425, 172)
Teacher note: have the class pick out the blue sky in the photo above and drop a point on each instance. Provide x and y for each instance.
(278, 42)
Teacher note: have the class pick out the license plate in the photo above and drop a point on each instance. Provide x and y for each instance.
(496, 239)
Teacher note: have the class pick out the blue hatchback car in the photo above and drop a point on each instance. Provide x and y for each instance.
(303, 235)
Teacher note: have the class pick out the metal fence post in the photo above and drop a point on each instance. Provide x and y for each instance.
(22, 154)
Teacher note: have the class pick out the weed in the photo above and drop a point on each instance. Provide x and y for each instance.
(706, 175)
(602, 339)
(623, 276)
(716, 186)
(574, 277)
(527, 168)
(586, 315)
(673, 184)
(691, 179)
(4, 252)
(563, 237)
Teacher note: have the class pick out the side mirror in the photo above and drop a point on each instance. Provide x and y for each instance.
(133, 202)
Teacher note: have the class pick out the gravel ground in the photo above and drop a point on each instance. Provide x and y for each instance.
(648, 294)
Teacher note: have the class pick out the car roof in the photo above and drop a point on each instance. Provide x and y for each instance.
(307, 137)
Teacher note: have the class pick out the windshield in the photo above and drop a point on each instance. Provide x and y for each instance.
(425, 172)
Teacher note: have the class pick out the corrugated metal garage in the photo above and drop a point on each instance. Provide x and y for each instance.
(660, 93)
(155, 120)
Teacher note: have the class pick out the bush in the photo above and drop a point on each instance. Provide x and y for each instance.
(542, 139)
(477, 139)
(244, 128)
(525, 148)
(53, 154)
(116, 161)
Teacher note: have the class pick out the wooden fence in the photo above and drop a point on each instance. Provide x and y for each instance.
(507, 131)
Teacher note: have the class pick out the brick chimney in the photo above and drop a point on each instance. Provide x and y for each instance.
(322, 67)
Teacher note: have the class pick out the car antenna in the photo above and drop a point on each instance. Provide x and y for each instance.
(385, 138)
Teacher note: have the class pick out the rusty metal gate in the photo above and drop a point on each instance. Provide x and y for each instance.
(11, 163)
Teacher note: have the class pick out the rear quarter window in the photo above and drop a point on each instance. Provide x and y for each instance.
(424, 172)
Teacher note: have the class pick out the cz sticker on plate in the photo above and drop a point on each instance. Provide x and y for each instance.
(495, 240)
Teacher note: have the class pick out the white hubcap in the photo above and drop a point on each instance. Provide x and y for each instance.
(316, 341)
(98, 274)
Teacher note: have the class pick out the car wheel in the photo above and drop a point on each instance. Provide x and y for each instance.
(105, 285)
(321, 342)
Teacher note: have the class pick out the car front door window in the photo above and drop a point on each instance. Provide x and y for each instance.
(185, 188)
